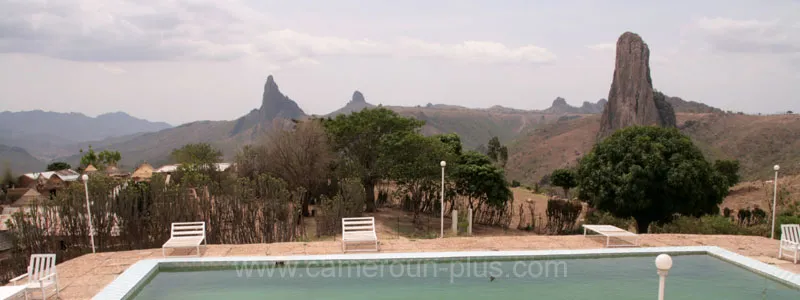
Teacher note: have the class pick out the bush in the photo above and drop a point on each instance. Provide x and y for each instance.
(561, 216)
(515, 183)
(598, 217)
(710, 224)
(784, 219)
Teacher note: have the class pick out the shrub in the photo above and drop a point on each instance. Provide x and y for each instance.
(561, 216)
(515, 183)
(710, 224)
(784, 219)
(727, 212)
(599, 217)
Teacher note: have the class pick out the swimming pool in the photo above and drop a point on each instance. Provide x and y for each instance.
(697, 273)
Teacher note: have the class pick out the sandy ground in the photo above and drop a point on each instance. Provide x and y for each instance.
(85, 276)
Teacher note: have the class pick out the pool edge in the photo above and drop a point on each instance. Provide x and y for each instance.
(132, 279)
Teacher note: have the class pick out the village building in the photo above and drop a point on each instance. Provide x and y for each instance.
(143, 173)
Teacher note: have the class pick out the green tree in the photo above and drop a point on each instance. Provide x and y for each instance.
(57, 166)
(361, 139)
(497, 152)
(109, 158)
(89, 158)
(477, 177)
(100, 159)
(197, 154)
(565, 179)
(650, 174)
(729, 169)
(416, 169)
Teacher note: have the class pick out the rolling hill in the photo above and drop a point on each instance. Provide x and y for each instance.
(19, 160)
(758, 142)
(47, 135)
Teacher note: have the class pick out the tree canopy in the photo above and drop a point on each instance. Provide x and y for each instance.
(196, 154)
(364, 138)
(100, 159)
(497, 152)
(729, 169)
(478, 178)
(565, 179)
(650, 174)
(57, 166)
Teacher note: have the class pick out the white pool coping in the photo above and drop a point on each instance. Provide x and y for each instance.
(135, 276)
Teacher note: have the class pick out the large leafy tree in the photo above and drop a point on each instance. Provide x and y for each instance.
(565, 179)
(416, 169)
(57, 166)
(650, 174)
(362, 138)
(729, 169)
(478, 178)
(196, 154)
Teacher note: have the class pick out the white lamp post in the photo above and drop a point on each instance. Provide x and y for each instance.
(663, 264)
(774, 202)
(85, 179)
(441, 234)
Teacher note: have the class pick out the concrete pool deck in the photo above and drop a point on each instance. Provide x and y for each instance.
(85, 276)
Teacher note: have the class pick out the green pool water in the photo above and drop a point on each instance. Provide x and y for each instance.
(692, 277)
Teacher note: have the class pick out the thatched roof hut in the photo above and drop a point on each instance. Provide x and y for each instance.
(90, 168)
(143, 172)
(113, 171)
(22, 197)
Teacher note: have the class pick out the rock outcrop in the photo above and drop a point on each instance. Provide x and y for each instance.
(274, 105)
(356, 103)
(631, 99)
(560, 106)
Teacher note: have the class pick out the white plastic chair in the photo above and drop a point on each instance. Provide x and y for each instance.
(42, 276)
(790, 241)
(186, 235)
(356, 230)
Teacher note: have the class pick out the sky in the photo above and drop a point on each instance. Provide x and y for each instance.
(181, 60)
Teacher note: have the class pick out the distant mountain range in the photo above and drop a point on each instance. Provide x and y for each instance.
(140, 140)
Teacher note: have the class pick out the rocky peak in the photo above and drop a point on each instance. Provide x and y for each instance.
(275, 104)
(358, 98)
(559, 102)
(630, 99)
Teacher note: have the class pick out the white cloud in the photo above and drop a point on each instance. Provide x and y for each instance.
(749, 36)
(135, 30)
(603, 47)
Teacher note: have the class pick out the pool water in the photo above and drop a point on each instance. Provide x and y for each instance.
(691, 277)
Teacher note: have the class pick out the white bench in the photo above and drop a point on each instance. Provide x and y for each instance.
(790, 241)
(358, 230)
(610, 232)
(186, 235)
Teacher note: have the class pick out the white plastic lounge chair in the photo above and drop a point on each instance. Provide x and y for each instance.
(613, 232)
(12, 292)
(358, 230)
(42, 276)
(186, 235)
(790, 241)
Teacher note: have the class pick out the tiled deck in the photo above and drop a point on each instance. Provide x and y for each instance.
(83, 277)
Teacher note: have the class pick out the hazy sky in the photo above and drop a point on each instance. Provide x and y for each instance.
(183, 60)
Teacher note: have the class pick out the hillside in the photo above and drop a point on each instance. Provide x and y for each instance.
(758, 142)
(475, 126)
(19, 160)
(154, 147)
(48, 134)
